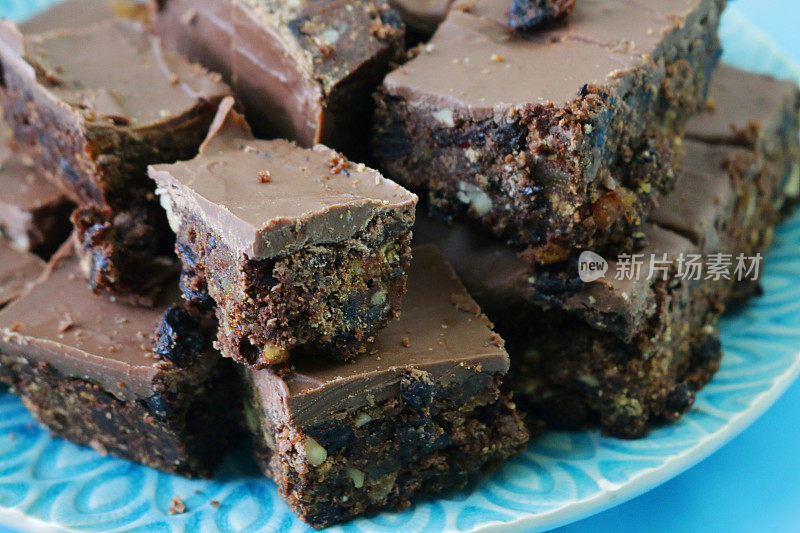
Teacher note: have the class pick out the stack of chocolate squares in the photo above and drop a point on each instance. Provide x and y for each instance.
(271, 287)
(636, 175)
(295, 263)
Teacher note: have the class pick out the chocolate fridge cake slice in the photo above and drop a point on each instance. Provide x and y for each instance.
(624, 352)
(93, 127)
(420, 414)
(87, 368)
(555, 140)
(18, 270)
(756, 112)
(294, 245)
(303, 69)
(34, 213)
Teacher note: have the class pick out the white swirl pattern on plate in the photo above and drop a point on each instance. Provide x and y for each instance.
(564, 476)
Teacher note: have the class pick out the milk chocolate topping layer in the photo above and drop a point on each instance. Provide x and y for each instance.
(22, 188)
(703, 195)
(269, 198)
(294, 56)
(22, 192)
(474, 48)
(441, 331)
(84, 335)
(498, 278)
(17, 271)
(732, 91)
(201, 30)
(111, 73)
(686, 222)
(296, 66)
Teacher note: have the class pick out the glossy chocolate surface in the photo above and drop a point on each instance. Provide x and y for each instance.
(269, 198)
(17, 271)
(83, 335)
(441, 331)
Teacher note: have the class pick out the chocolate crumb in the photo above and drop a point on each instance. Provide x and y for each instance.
(497, 340)
(338, 162)
(177, 506)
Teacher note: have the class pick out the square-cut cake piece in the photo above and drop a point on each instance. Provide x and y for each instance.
(575, 146)
(756, 112)
(569, 367)
(34, 213)
(305, 70)
(93, 128)
(18, 270)
(420, 414)
(624, 353)
(141, 384)
(295, 246)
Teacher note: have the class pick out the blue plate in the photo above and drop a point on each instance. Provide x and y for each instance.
(49, 485)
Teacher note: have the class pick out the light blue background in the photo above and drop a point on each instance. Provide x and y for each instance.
(753, 483)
